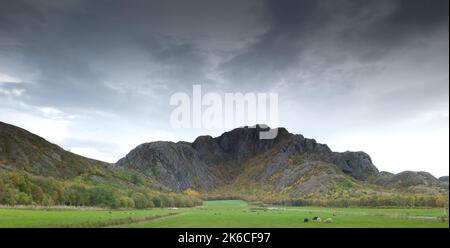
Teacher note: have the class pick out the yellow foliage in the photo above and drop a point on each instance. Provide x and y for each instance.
(191, 192)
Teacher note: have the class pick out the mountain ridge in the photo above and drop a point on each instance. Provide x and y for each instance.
(208, 163)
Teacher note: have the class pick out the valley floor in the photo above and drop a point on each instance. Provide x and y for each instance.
(225, 214)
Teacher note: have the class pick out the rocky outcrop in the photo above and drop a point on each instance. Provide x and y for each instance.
(174, 165)
(412, 178)
(236, 146)
(357, 164)
(411, 181)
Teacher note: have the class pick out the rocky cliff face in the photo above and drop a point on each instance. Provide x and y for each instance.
(175, 165)
(211, 162)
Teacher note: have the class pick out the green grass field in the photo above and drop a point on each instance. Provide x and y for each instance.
(74, 218)
(224, 214)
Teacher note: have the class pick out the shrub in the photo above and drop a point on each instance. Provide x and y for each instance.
(150, 204)
(10, 196)
(47, 201)
(76, 195)
(140, 201)
(103, 197)
(156, 201)
(126, 202)
(167, 201)
(23, 199)
(37, 194)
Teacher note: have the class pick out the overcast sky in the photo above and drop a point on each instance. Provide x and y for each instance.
(96, 77)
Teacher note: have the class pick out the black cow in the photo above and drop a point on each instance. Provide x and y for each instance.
(306, 220)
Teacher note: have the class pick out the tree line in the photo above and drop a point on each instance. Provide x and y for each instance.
(20, 189)
(401, 200)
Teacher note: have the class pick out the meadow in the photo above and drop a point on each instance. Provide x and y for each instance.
(229, 213)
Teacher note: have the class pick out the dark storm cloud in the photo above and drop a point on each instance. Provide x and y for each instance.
(179, 63)
(17, 17)
(366, 30)
(291, 25)
(402, 22)
(61, 42)
(71, 45)
(79, 49)
(35, 41)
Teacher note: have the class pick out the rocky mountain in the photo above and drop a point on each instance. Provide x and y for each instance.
(209, 162)
(290, 164)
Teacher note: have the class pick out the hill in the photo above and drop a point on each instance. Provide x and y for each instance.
(35, 171)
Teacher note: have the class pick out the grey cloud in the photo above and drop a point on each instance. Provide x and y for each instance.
(398, 24)
(67, 41)
(367, 31)
(64, 39)
(20, 18)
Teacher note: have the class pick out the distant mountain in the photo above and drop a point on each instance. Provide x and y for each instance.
(419, 182)
(444, 179)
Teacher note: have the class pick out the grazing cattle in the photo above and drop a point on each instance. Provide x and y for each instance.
(329, 220)
(306, 220)
(315, 217)
(318, 220)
